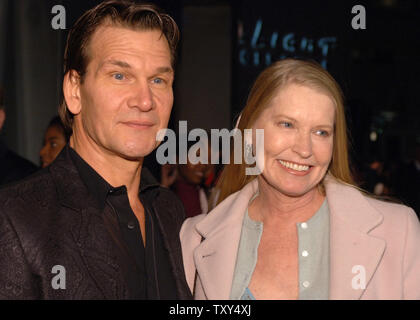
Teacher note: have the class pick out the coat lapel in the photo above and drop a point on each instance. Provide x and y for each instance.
(169, 229)
(88, 228)
(215, 257)
(354, 253)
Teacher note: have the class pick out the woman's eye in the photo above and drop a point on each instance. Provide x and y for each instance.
(285, 124)
(118, 76)
(322, 133)
(53, 144)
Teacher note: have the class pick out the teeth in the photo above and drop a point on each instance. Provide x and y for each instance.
(294, 166)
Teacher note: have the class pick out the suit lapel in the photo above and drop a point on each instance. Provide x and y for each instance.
(354, 253)
(107, 262)
(215, 257)
(170, 234)
(88, 228)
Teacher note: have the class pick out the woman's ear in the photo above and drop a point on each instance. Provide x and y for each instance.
(71, 91)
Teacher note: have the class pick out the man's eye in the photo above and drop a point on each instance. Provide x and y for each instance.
(53, 144)
(158, 80)
(118, 76)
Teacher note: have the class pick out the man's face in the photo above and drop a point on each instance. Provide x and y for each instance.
(126, 96)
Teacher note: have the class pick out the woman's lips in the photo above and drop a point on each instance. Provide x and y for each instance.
(295, 168)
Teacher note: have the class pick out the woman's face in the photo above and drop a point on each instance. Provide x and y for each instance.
(298, 139)
(54, 142)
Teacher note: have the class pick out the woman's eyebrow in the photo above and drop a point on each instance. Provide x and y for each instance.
(279, 115)
(293, 119)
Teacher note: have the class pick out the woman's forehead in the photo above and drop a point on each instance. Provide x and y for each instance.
(298, 100)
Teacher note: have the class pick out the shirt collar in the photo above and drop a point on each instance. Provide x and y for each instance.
(98, 187)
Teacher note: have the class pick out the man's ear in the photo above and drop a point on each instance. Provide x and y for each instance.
(2, 118)
(71, 91)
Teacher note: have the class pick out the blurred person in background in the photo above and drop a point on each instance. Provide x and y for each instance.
(12, 166)
(55, 139)
(407, 181)
(376, 178)
(192, 183)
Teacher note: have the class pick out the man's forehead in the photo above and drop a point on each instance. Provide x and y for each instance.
(112, 32)
(119, 38)
(159, 68)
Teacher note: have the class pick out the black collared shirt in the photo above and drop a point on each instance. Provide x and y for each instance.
(152, 278)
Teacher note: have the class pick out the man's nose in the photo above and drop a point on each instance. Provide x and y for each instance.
(303, 144)
(141, 97)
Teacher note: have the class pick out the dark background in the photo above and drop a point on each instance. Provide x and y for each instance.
(220, 57)
(377, 68)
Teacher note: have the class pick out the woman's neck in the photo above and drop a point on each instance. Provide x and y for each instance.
(273, 206)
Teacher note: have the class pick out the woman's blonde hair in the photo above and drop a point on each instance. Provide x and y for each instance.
(269, 82)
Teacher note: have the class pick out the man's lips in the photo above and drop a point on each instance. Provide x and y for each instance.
(139, 124)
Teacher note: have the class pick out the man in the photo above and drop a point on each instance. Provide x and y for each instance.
(94, 224)
(12, 166)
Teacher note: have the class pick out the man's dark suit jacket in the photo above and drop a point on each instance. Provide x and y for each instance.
(50, 219)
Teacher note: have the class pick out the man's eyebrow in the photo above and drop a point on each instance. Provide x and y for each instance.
(125, 65)
(118, 63)
(164, 70)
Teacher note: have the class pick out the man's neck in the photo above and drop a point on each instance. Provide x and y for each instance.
(116, 170)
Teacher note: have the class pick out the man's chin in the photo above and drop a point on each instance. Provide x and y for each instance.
(136, 154)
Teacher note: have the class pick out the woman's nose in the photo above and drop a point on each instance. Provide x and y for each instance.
(303, 145)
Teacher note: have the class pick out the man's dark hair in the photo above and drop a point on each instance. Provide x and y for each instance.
(126, 14)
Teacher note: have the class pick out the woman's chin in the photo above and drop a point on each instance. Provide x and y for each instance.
(294, 191)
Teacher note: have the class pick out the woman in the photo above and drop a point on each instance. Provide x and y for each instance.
(301, 229)
(55, 139)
